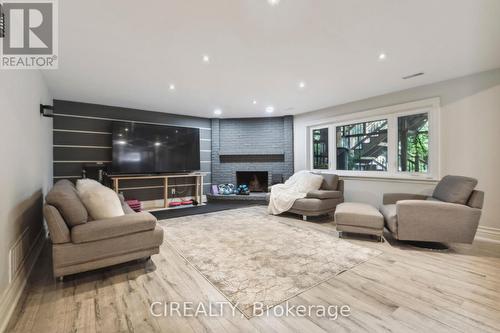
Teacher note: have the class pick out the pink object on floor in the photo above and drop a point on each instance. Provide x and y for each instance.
(134, 204)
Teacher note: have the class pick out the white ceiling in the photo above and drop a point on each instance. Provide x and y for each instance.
(126, 53)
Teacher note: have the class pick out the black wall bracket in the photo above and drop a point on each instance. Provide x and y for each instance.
(47, 110)
(2, 23)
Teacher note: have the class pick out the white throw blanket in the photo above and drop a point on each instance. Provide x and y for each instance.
(296, 187)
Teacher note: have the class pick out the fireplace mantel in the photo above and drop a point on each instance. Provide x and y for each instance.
(251, 151)
(251, 158)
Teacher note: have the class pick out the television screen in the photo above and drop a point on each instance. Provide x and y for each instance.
(143, 148)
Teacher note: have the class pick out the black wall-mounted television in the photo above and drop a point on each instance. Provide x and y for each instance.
(144, 148)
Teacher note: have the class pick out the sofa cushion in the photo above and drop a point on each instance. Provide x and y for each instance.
(63, 196)
(390, 216)
(322, 194)
(314, 205)
(113, 227)
(455, 189)
(73, 254)
(100, 201)
(330, 182)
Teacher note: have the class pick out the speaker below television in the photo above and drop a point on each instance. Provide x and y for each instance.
(148, 149)
(94, 171)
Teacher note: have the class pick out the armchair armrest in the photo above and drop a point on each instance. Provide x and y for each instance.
(340, 185)
(324, 194)
(113, 227)
(392, 198)
(436, 221)
(58, 229)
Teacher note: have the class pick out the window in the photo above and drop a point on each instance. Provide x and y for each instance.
(362, 146)
(320, 148)
(399, 141)
(413, 143)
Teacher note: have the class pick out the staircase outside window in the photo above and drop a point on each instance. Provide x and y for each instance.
(362, 146)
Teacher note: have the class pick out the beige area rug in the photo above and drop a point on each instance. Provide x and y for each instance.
(253, 257)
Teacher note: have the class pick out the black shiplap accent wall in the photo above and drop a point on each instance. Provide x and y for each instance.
(82, 134)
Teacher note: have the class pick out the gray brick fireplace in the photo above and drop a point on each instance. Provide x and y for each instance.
(252, 145)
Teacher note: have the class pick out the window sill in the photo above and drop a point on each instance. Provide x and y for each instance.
(414, 180)
(383, 178)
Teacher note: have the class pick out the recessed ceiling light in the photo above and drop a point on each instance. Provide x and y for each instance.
(270, 109)
(121, 142)
(302, 84)
(157, 144)
(206, 59)
(126, 129)
(254, 102)
(217, 112)
(382, 56)
(273, 2)
(171, 86)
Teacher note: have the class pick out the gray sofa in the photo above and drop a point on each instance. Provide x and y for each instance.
(450, 215)
(80, 244)
(322, 201)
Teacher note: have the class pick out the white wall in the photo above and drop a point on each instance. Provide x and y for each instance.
(470, 138)
(26, 161)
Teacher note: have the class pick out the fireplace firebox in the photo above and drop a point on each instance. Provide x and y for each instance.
(257, 181)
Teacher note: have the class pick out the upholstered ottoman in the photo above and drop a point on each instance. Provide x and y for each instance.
(359, 218)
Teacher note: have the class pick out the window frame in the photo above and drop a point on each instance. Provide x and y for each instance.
(311, 157)
(391, 113)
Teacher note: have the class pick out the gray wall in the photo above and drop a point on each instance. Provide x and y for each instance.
(82, 134)
(260, 137)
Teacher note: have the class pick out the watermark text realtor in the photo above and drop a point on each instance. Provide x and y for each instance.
(28, 34)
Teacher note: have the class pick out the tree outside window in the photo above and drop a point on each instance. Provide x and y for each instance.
(320, 148)
(413, 143)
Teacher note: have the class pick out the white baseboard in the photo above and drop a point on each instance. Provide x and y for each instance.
(488, 234)
(13, 293)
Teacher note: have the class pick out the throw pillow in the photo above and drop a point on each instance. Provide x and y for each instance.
(100, 201)
(308, 181)
(455, 189)
(330, 181)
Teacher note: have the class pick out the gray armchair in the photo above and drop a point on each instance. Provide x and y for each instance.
(323, 201)
(450, 215)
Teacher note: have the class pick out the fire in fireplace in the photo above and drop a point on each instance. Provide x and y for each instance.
(257, 181)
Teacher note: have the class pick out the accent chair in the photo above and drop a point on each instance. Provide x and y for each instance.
(323, 201)
(450, 215)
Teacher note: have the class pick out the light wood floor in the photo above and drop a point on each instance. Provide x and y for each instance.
(404, 289)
